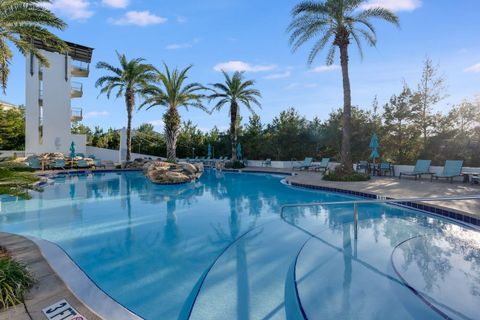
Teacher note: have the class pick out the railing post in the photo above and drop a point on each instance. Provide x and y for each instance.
(355, 220)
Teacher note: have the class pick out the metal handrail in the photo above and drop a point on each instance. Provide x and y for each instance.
(357, 202)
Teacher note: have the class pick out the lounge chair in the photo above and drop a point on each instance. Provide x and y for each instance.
(82, 164)
(34, 163)
(323, 166)
(59, 164)
(267, 162)
(97, 163)
(307, 164)
(422, 167)
(452, 169)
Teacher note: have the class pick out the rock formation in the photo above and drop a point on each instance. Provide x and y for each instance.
(172, 173)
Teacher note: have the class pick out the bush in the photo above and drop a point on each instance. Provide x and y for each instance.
(333, 176)
(14, 281)
(234, 165)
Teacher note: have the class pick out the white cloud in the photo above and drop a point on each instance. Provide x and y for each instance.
(185, 45)
(475, 68)
(242, 66)
(275, 76)
(325, 68)
(158, 124)
(139, 18)
(73, 9)
(394, 5)
(294, 85)
(96, 114)
(115, 3)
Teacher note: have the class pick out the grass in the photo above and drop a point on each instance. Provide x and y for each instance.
(14, 281)
(15, 180)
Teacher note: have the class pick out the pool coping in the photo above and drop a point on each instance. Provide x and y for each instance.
(449, 213)
(80, 284)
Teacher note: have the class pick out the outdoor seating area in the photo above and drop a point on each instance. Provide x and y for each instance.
(59, 161)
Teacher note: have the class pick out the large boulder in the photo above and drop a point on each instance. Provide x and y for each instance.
(171, 173)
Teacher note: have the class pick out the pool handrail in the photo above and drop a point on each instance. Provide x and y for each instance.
(378, 200)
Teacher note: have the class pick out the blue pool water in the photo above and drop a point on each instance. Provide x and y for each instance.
(219, 249)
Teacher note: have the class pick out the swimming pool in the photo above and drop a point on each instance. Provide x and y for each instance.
(218, 249)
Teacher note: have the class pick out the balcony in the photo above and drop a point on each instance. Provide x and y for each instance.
(80, 69)
(77, 90)
(76, 114)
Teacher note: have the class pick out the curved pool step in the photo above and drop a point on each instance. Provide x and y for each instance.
(248, 280)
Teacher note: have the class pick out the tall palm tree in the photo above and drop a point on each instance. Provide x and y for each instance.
(129, 80)
(235, 91)
(171, 92)
(21, 21)
(334, 24)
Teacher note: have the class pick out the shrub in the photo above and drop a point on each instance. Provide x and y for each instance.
(234, 165)
(15, 166)
(14, 281)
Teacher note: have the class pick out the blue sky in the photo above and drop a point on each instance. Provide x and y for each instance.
(250, 35)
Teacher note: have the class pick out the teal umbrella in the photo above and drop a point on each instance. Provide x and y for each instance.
(374, 146)
(72, 150)
(209, 150)
(239, 151)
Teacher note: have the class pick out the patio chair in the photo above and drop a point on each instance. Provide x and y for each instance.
(59, 164)
(97, 163)
(82, 164)
(384, 168)
(323, 166)
(362, 166)
(34, 163)
(307, 164)
(267, 162)
(422, 167)
(81, 155)
(452, 169)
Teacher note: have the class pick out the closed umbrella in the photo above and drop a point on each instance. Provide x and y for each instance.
(239, 151)
(374, 146)
(209, 153)
(72, 151)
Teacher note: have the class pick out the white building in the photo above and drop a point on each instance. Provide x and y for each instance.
(48, 102)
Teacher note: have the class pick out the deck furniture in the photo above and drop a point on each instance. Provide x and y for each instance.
(452, 169)
(422, 167)
(383, 168)
(34, 163)
(362, 166)
(59, 164)
(82, 164)
(267, 162)
(475, 178)
(323, 166)
(307, 164)
(97, 163)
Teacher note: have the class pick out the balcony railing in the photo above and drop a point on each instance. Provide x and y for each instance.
(76, 114)
(80, 69)
(77, 90)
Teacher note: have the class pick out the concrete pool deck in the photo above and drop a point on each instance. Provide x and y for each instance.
(48, 288)
(394, 188)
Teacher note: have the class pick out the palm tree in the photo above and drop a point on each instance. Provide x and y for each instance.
(171, 92)
(20, 22)
(336, 23)
(235, 91)
(130, 80)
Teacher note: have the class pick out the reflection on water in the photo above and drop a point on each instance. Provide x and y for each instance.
(147, 245)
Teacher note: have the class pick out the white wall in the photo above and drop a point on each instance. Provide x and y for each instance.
(10, 153)
(112, 155)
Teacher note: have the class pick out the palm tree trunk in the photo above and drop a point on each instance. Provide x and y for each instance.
(172, 128)
(347, 112)
(130, 101)
(233, 129)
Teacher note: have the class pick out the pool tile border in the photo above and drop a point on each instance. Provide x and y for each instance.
(454, 215)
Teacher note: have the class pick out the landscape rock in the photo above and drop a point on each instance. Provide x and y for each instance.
(161, 172)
